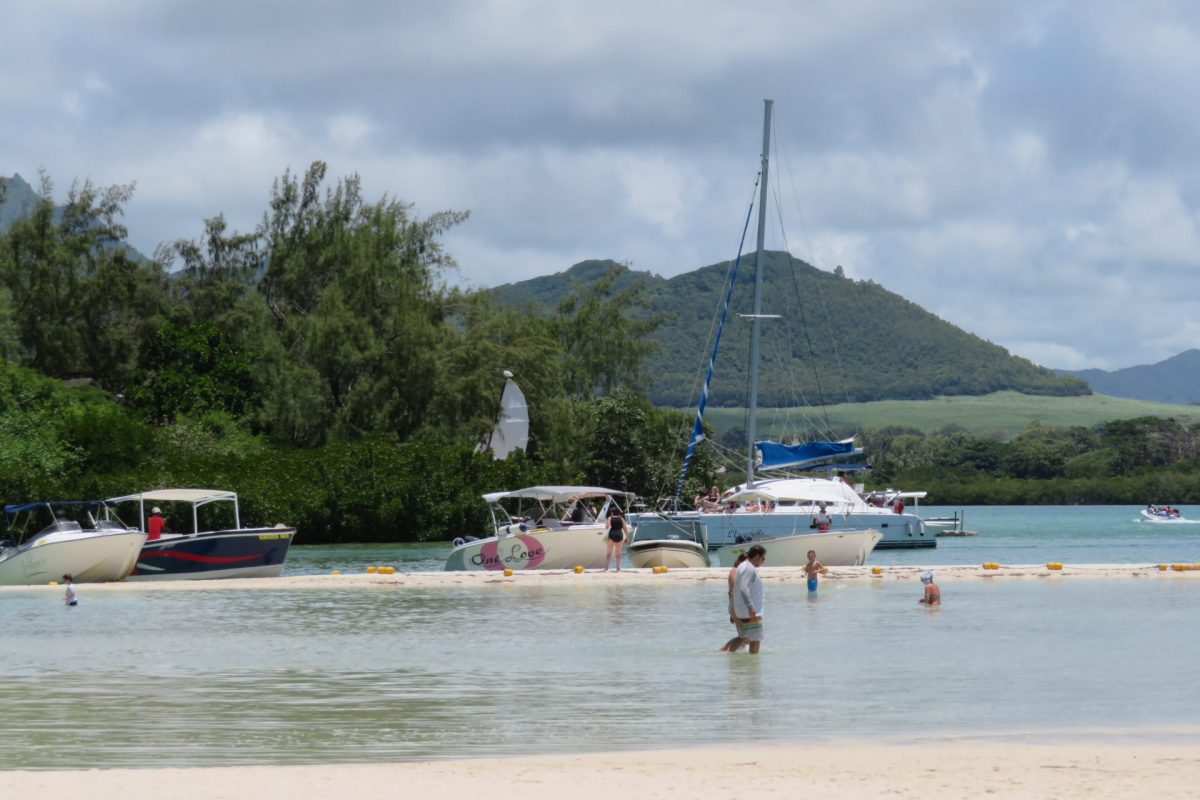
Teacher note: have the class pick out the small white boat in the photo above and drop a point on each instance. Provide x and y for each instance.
(833, 548)
(1165, 515)
(685, 547)
(106, 551)
(551, 527)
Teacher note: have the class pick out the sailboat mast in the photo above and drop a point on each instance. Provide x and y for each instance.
(756, 329)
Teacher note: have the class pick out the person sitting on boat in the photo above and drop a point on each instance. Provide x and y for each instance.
(898, 505)
(155, 524)
(821, 520)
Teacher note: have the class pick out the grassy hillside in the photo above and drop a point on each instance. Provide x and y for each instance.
(836, 339)
(1001, 413)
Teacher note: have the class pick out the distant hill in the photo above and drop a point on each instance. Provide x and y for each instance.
(1175, 380)
(838, 340)
(18, 198)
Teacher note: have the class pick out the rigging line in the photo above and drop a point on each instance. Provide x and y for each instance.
(813, 262)
(812, 360)
(713, 324)
(698, 427)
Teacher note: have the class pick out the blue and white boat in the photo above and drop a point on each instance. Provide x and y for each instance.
(204, 537)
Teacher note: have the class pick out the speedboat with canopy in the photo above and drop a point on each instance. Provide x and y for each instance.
(541, 527)
(203, 537)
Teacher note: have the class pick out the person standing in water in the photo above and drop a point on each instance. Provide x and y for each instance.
(69, 598)
(734, 644)
(748, 598)
(933, 595)
(812, 569)
(618, 533)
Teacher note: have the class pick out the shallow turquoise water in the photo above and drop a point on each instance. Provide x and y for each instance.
(174, 678)
(1007, 534)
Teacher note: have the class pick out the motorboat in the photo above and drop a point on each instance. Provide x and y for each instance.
(685, 547)
(541, 527)
(203, 537)
(102, 551)
(842, 549)
(1165, 515)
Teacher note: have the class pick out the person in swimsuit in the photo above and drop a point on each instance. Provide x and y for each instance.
(614, 540)
(748, 598)
(812, 569)
(69, 598)
(933, 595)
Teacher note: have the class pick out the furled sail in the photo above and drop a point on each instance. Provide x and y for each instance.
(512, 423)
(778, 456)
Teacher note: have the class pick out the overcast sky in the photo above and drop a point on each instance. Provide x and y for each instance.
(1029, 171)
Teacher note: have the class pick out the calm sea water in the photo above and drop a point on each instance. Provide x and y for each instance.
(238, 676)
(1007, 534)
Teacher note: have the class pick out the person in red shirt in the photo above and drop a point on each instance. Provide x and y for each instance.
(154, 525)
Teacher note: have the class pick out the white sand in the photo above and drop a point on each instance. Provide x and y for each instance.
(930, 769)
(549, 578)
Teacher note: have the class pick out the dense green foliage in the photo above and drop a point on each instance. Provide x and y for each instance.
(320, 366)
(870, 344)
(1144, 460)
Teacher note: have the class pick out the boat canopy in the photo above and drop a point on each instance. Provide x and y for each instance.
(194, 496)
(801, 490)
(778, 456)
(555, 494)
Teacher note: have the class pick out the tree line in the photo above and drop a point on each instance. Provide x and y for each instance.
(322, 366)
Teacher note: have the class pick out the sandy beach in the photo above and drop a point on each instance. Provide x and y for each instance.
(933, 768)
(551, 578)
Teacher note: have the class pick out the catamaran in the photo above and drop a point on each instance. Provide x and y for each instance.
(780, 512)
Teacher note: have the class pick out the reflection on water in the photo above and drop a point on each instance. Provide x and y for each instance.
(161, 678)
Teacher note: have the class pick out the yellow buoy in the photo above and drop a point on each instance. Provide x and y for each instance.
(507, 572)
(578, 568)
(54, 583)
(876, 570)
(371, 568)
(1177, 567)
(1163, 567)
(1054, 565)
(335, 572)
(389, 569)
(991, 565)
(663, 568)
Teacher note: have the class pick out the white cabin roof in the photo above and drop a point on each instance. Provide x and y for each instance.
(556, 494)
(197, 496)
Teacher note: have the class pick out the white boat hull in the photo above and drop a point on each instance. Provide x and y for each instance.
(833, 549)
(537, 548)
(670, 553)
(1159, 519)
(88, 558)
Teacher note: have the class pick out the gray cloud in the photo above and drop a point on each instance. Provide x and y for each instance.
(1027, 171)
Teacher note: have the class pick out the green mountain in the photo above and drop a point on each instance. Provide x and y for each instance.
(837, 340)
(1175, 380)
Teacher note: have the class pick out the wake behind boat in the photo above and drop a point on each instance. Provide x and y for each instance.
(102, 551)
(549, 527)
(202, 537)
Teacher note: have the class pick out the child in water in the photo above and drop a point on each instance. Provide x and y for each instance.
(812, 569)
(933, 595)
(69, 598)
